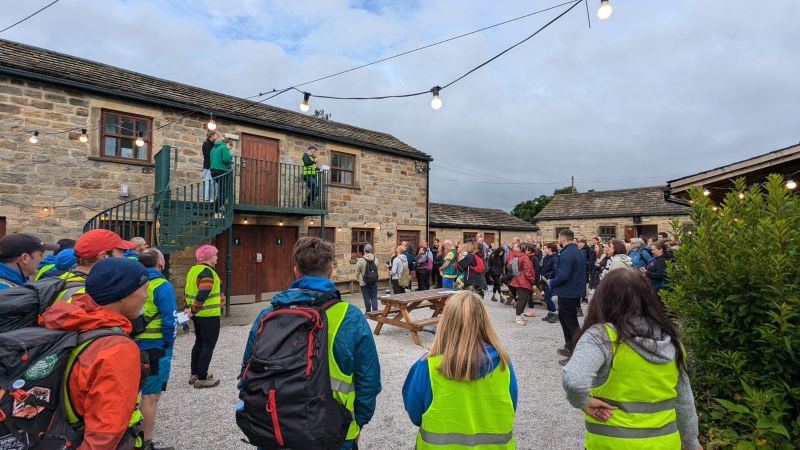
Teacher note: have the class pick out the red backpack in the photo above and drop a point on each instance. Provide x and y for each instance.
(479, 267)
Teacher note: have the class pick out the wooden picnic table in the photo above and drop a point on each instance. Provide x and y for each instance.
(400, 305)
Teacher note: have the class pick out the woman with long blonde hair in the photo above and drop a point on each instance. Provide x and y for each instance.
(468, 371)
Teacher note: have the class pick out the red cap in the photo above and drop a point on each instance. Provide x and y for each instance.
(94, 242)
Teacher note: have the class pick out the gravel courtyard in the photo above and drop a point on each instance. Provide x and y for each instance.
(544, 419)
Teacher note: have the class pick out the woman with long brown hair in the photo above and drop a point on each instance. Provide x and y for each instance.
(627, 371)
(466, 370)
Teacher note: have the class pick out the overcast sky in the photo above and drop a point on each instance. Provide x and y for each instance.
(659, 90)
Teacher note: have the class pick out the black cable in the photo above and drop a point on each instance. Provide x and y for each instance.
(26, 18)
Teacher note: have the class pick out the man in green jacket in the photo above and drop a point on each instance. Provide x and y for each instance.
(310, 175)
(220, 165)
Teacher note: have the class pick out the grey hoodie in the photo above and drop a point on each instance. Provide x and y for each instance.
(399, 264)
(591, 361)
(361, 267)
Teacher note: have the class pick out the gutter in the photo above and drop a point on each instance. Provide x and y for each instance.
(676, 200)
(177, 105)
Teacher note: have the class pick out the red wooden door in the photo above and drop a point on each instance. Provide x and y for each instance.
(412, 237)
(488, 238)
(259, 171)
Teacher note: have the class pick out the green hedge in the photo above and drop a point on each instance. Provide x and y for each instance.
(735, 290)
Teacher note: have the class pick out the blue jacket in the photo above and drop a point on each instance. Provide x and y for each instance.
(638, 257)
(11, 274)
(66, 259)
(417, 394)
(549, 265)
(130, 254)
(570, 278)
(353, 346)
(164, 299)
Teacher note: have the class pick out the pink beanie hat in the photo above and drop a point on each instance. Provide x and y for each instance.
(205, 252)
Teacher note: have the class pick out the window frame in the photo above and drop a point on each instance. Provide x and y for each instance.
(329, 232)
(558, 230)
(339, 169)
(356, 244)
(466, 235)
(148, 137)
(606, 236)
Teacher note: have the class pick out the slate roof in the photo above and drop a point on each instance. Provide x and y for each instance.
(69, 71)
(644, 201)
(456, 216)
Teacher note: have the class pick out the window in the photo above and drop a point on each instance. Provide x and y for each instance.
(119, 133)
(469, 236)
(558, 230)
(2, 226)
(361, 237)
(488, 238)
(607, 232)
(688, 228)
(330, 233)
(343, 169)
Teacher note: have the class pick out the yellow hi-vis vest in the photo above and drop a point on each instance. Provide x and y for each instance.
(42, 270)
(341, 384)
(312, 168)
(211, 306)
(644, 394)
(76, 284)
(476, 414)
(152, 316)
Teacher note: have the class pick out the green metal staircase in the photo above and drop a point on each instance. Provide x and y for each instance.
(172, 218)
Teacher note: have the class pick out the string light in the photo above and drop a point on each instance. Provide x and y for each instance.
(605, 10)
(280, 223)
(791, 185)
(304, 103)
(245, 220)
(741, 195)
(436, 102)
(311, 222)
(211, 125)
(706, 192)
(34, 137)
(139, 140)
(84, 137)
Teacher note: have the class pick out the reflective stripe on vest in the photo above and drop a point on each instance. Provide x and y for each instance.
(341, 384)
(76, 284)
(8, 283)
(211, 306)
(152, 316)
(644, 394)
(486, 401)
(312, 168)
(42, 270)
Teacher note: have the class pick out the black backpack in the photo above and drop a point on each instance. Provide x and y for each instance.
(286, 396)
(21, 305)
(33, 365)
(370, 272)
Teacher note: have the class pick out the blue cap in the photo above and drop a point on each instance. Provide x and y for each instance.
(113, 279)
(66, 259)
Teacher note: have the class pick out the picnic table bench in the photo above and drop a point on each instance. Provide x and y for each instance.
(398, 306)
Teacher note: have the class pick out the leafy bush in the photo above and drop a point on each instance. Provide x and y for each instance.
(735, 289)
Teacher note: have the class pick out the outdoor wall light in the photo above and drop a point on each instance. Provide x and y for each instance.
(605, 10)
(34, 137)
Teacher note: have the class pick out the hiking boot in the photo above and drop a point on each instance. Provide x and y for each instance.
(564, 361)
(509, 300)
(192, 379)
(521, 322)
(207, 383)
(529, 313)
(580, 312)
(564, 351)
(552, 318)
(495, 299)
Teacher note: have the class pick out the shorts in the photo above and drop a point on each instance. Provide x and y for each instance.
(447, 283)
(156, 383)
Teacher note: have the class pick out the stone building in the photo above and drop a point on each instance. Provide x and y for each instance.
(459, 223)
(620, 214)
(374, 185)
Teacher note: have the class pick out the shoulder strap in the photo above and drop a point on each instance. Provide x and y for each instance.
(99, 333)
(328, 299)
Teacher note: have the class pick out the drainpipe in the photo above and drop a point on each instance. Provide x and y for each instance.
(427, 199)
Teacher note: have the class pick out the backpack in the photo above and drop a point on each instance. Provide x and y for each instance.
(33, 366)
(513, 266)
(422, 260)
(286, 396)
(370, 272)
(404, 278)
(21, 305)
(479, 266)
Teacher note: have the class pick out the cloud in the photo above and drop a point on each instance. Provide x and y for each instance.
(656, 91)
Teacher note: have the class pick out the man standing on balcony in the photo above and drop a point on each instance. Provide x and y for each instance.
(211, 136)
(310, 174)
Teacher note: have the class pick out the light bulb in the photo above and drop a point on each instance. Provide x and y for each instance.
(34, 137)
(714, 208)
(605, 10)
(436, 102)
(245, 220)
(706, 192)
(741, 195)
(311, 222)
(139, 140)
(280, 223)
(211, 125)
(304, 103)
(791, 184)
(83, 138)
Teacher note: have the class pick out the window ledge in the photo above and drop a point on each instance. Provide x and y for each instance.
(346, 186)
(131, 162)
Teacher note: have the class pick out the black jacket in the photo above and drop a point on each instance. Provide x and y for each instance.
(467, 265)
(549, 265)
(207, 146)
(497, 262)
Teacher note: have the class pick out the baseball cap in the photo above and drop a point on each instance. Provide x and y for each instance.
(94, 242)
(368, 248)
(113, 279)
(16, 244)
(310, 146)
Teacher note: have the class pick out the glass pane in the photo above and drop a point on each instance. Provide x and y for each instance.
(347, 178)
(336, 176)
(346, 162)
(141, 152)
(126, 126)
(141, 127)
(368, 236)
(334, 160)
(126, 148)
(110, 147)
(111, 123)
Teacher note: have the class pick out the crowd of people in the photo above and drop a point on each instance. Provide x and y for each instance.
(115, 297)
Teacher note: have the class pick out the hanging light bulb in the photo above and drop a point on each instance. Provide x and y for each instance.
(211, 125)
(791, 185)
(34, 137)
(311, 222)
(706, 192)
(605, 10)
(436, 102)
(245, 220)
(741, 195)
(714, 208)
(280, 223)
(304, 103)
(84, 137)
(139, 140)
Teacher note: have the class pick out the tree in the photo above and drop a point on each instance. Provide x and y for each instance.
(320, 114)
(528, 209)
(566, 190)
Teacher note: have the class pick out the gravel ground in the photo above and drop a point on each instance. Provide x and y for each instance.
(544, 419)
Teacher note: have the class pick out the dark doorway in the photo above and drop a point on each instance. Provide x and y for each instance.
(647, 231)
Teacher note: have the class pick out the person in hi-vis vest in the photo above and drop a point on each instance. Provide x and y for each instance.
(203, 297)
(466, 370)
(310, 175)
(627, 371)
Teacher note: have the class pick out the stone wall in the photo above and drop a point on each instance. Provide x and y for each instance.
(457, 234)
(588, 228)
(54, 187)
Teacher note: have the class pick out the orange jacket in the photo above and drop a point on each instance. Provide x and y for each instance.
(104, 381)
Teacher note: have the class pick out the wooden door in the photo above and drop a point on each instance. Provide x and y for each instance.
(259, 171)
(2, 226)
(412, 237)
(249, 276)
(488, 238)
(630, 232)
